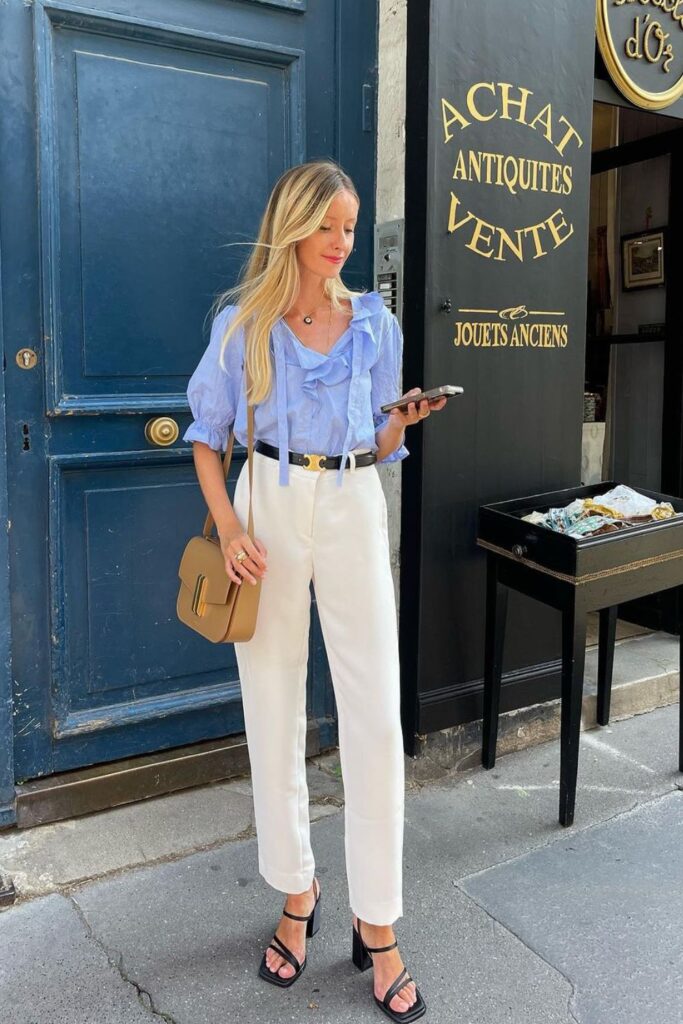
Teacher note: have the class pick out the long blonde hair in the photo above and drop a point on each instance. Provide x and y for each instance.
(269, 283)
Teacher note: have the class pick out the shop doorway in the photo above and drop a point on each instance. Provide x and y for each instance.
(631, 430)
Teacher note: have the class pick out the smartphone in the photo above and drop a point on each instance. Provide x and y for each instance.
(446, 390)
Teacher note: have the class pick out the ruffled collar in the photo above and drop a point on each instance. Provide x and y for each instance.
(366, 305)
(363, 306)
(331, 368)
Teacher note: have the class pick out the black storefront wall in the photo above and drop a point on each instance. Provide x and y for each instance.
(498, 131)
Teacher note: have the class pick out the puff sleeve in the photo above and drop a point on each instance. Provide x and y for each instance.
(385, 375)
(213, 392)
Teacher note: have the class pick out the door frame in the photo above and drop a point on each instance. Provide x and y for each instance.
(6, 695)
(356, 63)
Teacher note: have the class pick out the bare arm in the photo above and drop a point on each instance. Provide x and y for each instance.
(232, 535)
(390, 437)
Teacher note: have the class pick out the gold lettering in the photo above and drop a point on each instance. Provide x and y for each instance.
(516, 250)
(511, 174)
(475, 166)
(571, 133)
(499, 169)
(555, 228)
(487, 334)
(453, 224)
(478, 234)
(490, 240)
(544, 117)
(668, 57)
(460, 169)
(660, 35)
(472, 92)
(557, 172)
(544, 175)
(671, 7)
(632, 44)
(534, 229)
(507, 102)
(543, 121)
(454, 118)
(525, 167)
(488, 157)
(534, 187)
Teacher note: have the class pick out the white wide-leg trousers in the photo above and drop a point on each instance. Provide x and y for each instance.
(336, 536)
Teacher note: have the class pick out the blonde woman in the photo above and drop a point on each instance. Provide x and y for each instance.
(322, 360)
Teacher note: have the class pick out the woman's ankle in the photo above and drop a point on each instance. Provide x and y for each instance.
(301, 897)
(386, 928)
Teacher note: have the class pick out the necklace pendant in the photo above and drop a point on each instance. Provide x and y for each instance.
(308, 320)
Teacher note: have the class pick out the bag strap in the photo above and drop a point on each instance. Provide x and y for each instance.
(209, 522)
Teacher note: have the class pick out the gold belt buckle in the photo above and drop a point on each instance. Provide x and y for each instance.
(314, 461)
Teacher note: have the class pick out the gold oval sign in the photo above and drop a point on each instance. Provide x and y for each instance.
(641, 42)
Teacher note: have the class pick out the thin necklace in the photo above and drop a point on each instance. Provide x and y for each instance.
(308, 319)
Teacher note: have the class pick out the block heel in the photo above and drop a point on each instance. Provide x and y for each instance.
(359, 953)
(314, 919)
(362, 958)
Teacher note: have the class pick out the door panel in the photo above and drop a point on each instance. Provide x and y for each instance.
(133, 132)
(148, 135)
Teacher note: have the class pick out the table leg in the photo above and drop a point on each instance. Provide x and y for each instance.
(608, 632)
(496, 614)
(573, 661)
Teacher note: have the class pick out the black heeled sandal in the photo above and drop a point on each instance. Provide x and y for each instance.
(362, 959)
(282, 950)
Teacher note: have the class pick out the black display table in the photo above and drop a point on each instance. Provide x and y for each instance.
(576, 576)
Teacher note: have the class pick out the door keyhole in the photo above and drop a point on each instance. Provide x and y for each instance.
(26, 358)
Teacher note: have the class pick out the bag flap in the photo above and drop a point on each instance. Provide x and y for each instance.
(203, 555)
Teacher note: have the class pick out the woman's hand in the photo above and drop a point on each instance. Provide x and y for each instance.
(248, 568)
(410, 414)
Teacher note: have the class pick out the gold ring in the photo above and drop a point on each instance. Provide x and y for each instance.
(240, 556)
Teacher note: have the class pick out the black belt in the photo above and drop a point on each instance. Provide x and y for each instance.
(310, 460)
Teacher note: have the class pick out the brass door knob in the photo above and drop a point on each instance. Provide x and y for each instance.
(162, 430)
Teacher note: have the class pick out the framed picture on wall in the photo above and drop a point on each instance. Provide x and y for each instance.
(642, 259)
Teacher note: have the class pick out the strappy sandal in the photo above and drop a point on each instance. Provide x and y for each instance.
(313, 923)
(362, 959)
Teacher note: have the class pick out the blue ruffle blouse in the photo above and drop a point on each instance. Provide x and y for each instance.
(329, 404)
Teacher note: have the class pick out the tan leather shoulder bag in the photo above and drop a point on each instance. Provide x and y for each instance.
(209, 602)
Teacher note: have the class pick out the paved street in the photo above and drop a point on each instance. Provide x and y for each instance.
(509, 918)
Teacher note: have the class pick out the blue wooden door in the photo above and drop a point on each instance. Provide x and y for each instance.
(143, 136)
